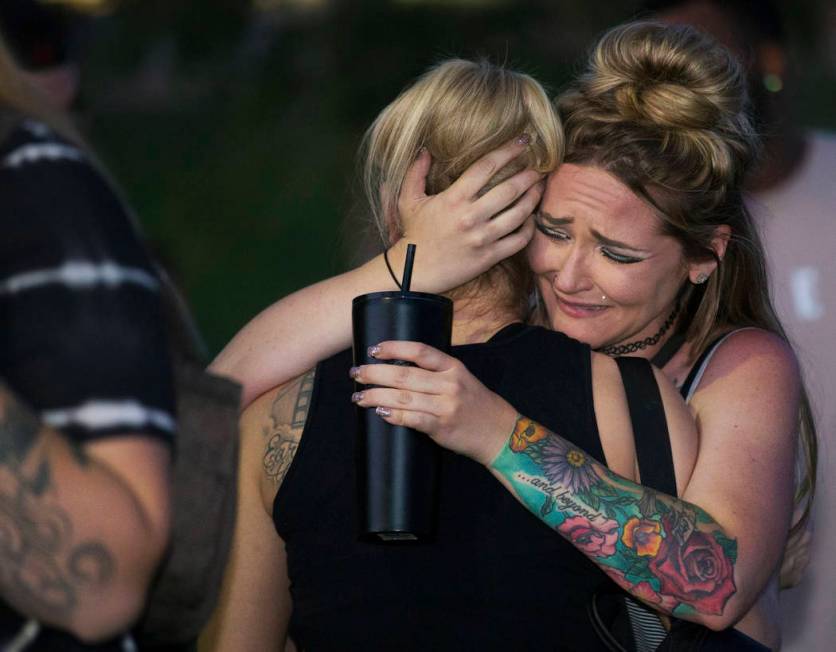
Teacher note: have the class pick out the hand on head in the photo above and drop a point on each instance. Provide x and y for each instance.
(462, 232)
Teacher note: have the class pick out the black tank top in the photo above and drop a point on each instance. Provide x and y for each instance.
(495, 578)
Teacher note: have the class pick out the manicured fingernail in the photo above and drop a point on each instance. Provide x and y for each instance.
(525, 139)
(382, 411)
(354, 372)
(373, 351)
(356, 397)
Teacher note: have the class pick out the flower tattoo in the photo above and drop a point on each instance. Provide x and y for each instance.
(662, 550)
(643, 536)
(566, 465)
(695, 570)
(526, 432)
(562, 463)
(592, 538)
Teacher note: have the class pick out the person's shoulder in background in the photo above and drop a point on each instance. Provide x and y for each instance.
(84, 339)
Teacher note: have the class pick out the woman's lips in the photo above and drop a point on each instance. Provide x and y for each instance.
(580, 310)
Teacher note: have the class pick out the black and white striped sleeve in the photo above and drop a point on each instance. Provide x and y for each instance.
(82, 337)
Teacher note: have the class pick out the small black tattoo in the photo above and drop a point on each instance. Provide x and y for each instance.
(40, 563)
(279, 455)
(91, 564)
(303, 400)
(286, 425)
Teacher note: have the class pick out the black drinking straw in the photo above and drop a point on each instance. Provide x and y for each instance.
(406, 281)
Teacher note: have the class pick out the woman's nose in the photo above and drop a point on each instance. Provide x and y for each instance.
(572, 274)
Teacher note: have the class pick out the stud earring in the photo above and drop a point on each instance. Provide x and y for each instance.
(702, 277)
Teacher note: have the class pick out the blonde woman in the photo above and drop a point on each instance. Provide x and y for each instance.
(642, 247)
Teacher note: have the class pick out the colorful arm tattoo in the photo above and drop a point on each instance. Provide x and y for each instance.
(667, 552)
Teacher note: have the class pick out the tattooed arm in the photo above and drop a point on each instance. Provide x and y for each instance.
(254, 608)
(704, 557)
(667, 552)
(83, 526)
(309, 325)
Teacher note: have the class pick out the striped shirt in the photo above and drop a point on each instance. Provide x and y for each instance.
(82, 338)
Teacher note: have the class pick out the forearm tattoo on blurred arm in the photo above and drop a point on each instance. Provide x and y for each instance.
(42, 567)
(667, 552)
(288, 414)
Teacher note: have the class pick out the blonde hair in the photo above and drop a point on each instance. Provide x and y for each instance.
(665, 109)
(459, 111)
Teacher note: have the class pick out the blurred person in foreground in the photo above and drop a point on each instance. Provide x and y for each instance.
(87, 401)
(643, 247)
(793, 199)
(40, 36)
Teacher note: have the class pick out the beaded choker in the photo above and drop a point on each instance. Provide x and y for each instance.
(638, 345)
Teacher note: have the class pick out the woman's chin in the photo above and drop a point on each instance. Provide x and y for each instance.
(587, 326)
(580, 332)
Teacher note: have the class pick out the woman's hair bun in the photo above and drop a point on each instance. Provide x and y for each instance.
(666, 104)
(673, 77)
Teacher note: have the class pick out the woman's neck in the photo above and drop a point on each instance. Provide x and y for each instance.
(476, 321)
(648, 342)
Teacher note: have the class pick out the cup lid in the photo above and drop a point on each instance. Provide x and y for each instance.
(397, 295)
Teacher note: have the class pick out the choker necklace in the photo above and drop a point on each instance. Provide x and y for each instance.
(632, 347)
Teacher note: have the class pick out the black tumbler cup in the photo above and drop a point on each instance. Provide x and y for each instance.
(397, 467)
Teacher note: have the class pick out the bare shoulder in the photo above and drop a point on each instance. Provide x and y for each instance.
(752, 355)
(271, 429)
(751, 387)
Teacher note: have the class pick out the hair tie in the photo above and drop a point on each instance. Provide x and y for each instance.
(389, 267)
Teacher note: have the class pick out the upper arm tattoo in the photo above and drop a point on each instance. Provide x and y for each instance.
(663, 550)
(284, 425)
(43, 567)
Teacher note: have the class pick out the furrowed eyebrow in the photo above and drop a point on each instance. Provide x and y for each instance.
(615, 243)
(555, 221)
(551, 220)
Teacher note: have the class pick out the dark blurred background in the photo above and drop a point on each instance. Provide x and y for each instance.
(232, 125)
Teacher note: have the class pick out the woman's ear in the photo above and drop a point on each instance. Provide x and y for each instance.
(698, 272)
(722, 235)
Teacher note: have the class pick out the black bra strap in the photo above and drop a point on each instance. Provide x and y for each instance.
(698, 365)
(650, 428)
